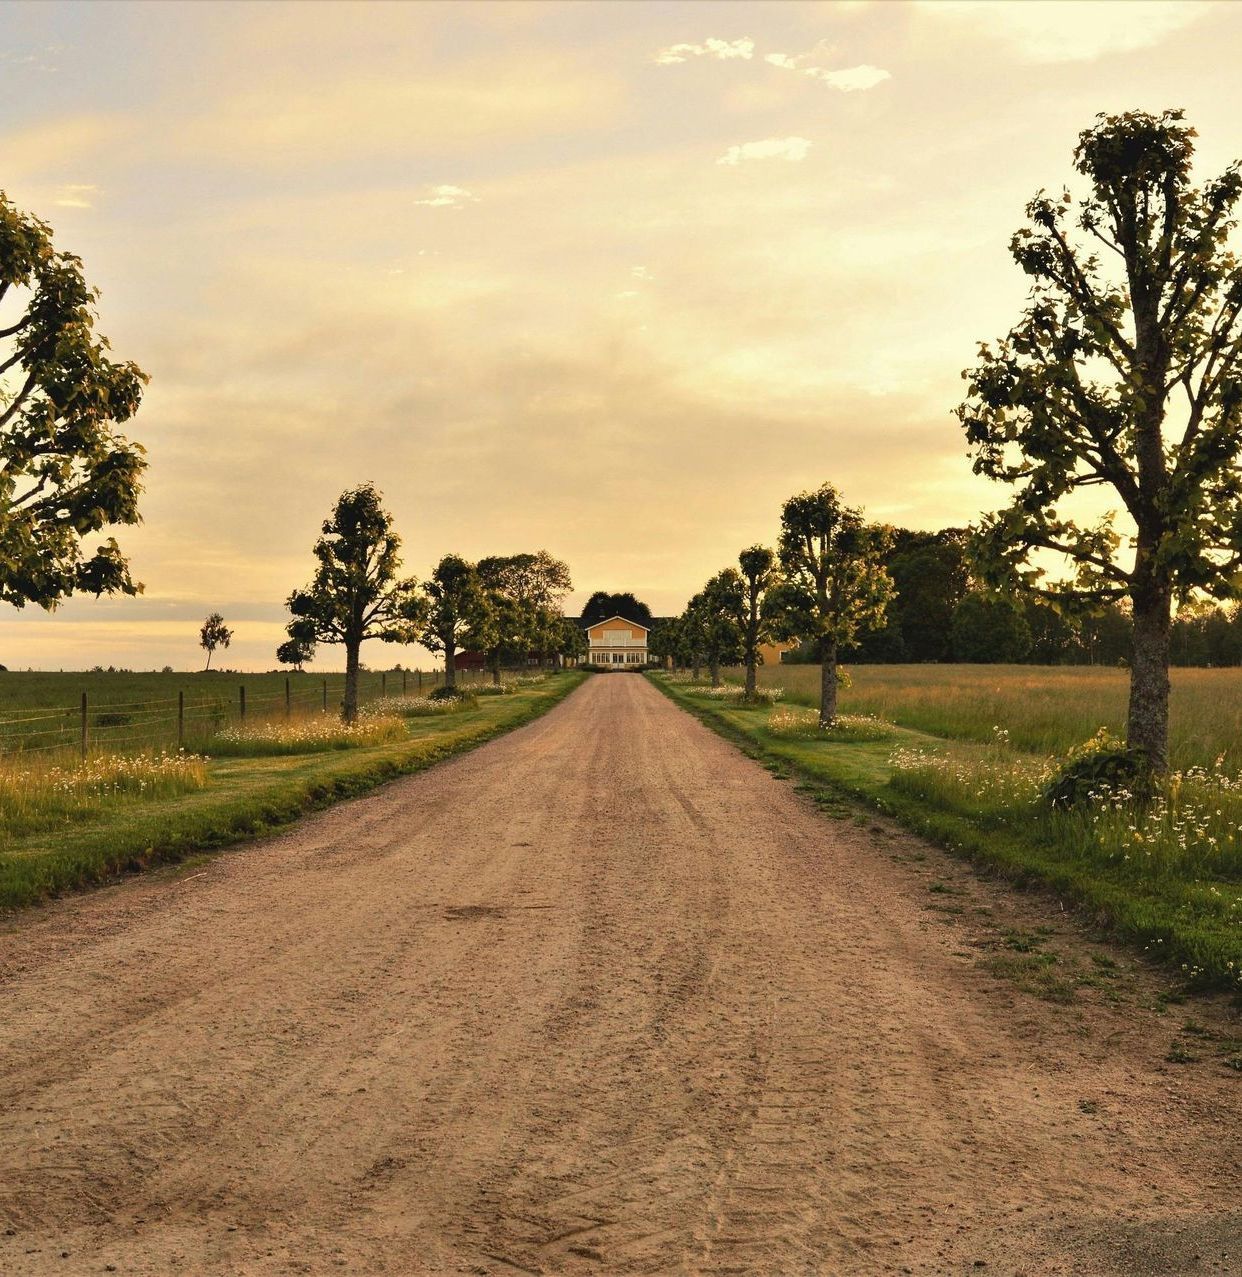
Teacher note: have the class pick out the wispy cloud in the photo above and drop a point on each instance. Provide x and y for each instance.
(76, 195)
(770, 148)
(723, 50)
(847, 80)
(448, 196)
(1069, 30)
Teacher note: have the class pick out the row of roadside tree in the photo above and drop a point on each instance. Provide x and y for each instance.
(505, 606)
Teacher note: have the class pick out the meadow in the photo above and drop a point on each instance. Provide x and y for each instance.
(66, 822)
(961, 754)
(125, 711)
(1045, 709)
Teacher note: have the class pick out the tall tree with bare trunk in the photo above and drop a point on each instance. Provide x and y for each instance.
(213, 634)
(834, 585)
(1121, 375)
(758, 565)
(456, 608)
(356, 593)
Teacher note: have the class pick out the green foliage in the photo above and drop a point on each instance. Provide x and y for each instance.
(455, 605)
(65, 473)
(834, 584)
(1077, 394)
(355, 594)
(451, 692)
(295, 652)
(1100, 768)
(601, 606)
(990, 629)
(758, 566)
(213, 634)
(719, 614)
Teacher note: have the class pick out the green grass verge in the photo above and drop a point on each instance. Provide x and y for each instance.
(247, 797)
(1175, 921)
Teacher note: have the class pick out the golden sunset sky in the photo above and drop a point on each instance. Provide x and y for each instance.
(612, 279)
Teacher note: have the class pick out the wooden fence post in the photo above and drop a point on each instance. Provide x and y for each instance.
(288, 700)
(325, 695)
(180, 720)
(241, 700)
(403, 674)
(85, 728)
(384, 683)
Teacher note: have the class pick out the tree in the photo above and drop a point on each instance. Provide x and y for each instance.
(355, 594)
(990, 629)
(758, 565)
(65, 473)
(834, 585)
(931, 576)
(456, 605)
(508, 622)
(663, 640)
(295, 652)
(720, 608)
(602, 606)
(213, 634)
(1078, 395)
(571, 641)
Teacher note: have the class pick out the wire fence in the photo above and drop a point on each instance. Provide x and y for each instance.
(190, 719)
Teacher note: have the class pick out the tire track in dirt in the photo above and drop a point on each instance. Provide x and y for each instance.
(601, 997)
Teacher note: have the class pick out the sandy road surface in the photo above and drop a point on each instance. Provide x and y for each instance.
(602, 996)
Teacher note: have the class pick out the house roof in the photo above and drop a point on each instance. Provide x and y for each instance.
(645, 628)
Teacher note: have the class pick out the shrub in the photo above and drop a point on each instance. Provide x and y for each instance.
(1099, 768)
(495, 689)
(451, 694)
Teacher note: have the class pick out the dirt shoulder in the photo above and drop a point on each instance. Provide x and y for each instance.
(600, 996)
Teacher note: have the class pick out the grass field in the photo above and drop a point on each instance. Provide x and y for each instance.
(65, 825)
(125, 711)
(1046, 709)
(960, 753)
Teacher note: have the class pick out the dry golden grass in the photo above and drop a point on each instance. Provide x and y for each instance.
(1045, 709)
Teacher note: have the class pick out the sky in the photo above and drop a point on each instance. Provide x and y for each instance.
(609, 279)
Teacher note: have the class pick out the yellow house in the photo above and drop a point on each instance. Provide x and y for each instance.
(771, 652)
(617, 641)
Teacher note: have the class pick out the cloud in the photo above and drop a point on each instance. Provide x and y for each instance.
(770, 148)
(847, 80)
(75, 195)
(478, 104)
(722, 50)
(1069, 30)
(448, 197)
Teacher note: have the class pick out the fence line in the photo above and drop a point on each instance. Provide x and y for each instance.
(170, 721)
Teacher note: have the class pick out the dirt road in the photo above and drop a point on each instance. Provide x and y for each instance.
(600, 997)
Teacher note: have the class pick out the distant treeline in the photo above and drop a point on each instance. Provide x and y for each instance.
(941, 614)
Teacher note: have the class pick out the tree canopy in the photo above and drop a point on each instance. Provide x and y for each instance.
(213, 634)
(456, 606)
(356, 593)
(1122, 374)
(834, 585)
(65, 471)
(602, 605)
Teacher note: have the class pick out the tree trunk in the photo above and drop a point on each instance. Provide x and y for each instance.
(751, 663)
(1147, 727)
(208, 665)
(827, 684)
(450, 665)
(698, 665)
(714, 666)
(496, 667)
(349, 708)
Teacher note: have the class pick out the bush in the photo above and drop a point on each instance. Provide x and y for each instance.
(495, 689)
(451, 694)
(1102, 767)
